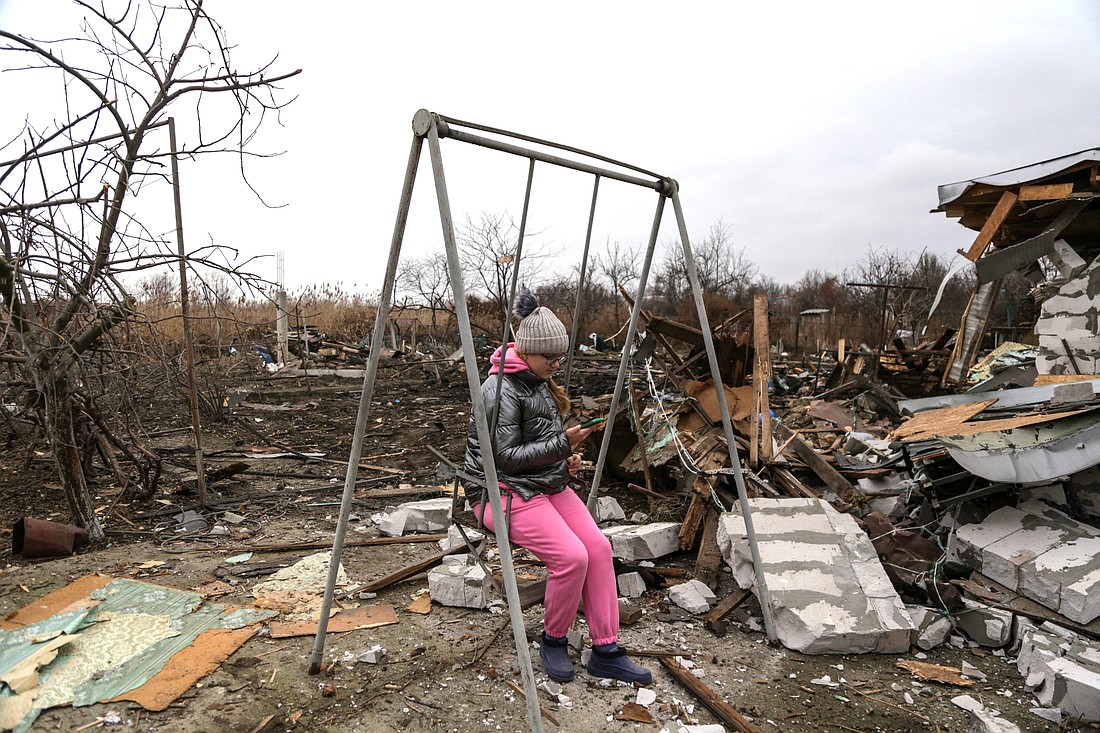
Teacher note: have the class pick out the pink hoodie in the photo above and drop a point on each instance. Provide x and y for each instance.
(512, 362)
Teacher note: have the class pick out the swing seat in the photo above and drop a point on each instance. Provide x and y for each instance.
(464, 520)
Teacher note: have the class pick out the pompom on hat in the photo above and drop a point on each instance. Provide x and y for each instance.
(540, 331)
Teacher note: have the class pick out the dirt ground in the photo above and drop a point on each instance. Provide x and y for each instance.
(447, 670)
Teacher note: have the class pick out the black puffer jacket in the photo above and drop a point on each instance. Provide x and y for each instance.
(531, 445)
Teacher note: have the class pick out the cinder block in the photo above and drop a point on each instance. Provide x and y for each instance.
(1002, 559)
(967, 542)
(454, 538)
(393, 524)
(1068, 573)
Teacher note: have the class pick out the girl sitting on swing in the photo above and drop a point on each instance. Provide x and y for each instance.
(534, 461)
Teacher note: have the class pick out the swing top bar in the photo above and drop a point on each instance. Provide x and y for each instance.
(445, 126)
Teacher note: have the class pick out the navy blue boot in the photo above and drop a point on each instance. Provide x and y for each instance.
(555, 658)
(608, 660)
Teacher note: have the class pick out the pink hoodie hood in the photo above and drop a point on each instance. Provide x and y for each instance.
(512, 362)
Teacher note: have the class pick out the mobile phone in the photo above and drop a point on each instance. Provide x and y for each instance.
(593, 421)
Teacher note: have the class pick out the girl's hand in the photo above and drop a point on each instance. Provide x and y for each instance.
(578, 435)
(573, 462)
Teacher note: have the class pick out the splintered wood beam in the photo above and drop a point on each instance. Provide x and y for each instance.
(693, 520)
(761, 448)
(404, 573)
(708, 563)
(991, 226)
(715, 621)
(722, 709)
(818, 465)
(1046, 193)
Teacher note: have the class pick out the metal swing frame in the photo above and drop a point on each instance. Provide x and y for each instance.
(432, 127)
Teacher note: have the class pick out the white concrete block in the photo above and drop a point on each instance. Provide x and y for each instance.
(645, 542)
(932, 627)
(463, 586)
(430, 515)
(967, 542)
(1069, 572)
(608, 510)
(631, 585)
(693, 596)
(1001, 560)
(1058, 518)
(373, 655)
(1076, 689)
(454, 538)
(826, 584)
(985, 625)
(893, 507)
(394, 524)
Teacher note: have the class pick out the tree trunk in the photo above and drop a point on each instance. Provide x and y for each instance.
(61, 432)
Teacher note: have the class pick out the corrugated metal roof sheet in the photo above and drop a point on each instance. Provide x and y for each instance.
(1015, 176)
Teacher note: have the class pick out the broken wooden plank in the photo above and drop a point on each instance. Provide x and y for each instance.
(930, 423)
(708, 563)
(370, 542)
(1047, 192)
(818, 465)
(790, 484)
(761, 448)
(532, 594)
(928, 672)
(693, 520)
(404, 573)
(722, 709)
(348, 619)
(715, 621)
(997, 264)
(992, 225)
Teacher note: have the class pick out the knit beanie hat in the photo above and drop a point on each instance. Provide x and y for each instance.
(540, 331)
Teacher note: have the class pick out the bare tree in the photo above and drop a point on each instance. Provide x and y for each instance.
(723, 269)
(424, 281)
(68, 231)
(486, 252)
(620, 266)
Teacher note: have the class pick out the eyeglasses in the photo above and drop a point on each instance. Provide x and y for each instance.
(554, 358)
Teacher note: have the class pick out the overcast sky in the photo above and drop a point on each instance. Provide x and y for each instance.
(813, 130)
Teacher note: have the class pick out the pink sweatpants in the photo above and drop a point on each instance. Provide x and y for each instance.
(560, 532)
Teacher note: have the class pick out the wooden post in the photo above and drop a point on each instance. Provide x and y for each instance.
(637, 412)
(761, 374)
